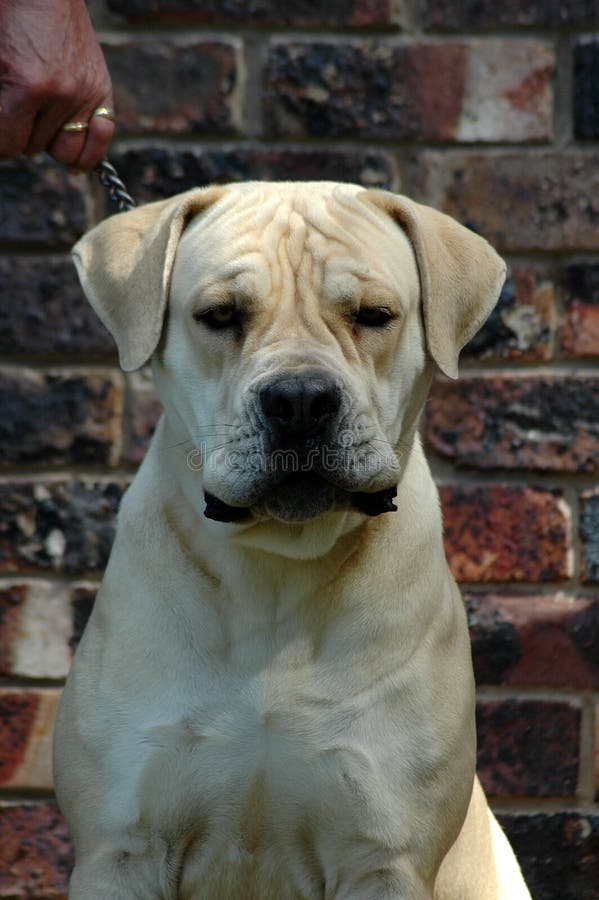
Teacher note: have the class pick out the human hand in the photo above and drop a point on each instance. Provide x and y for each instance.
(52, 72)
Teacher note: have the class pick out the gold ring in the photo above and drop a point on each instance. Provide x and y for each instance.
(105, 112)
(75, 126)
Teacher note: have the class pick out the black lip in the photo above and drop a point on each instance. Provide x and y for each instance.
(371, 504)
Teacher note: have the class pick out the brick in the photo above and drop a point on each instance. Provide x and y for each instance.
(40, 203)
(61, 526)
(475, 90)
(299, 13)
(152, 173)
(36, 855)
(186, 87)
(43, 310)
(558, 852)
(145, 410)
(586, 87)
(580, 329)
(518, 201)
(36, 628)
(502, 532)
(27, 719)
(60, 417)
(596, 753)
(521, 325)
(83, 599)
(528, 748)
(533, 640)
(589, 535)
(470, 14)
(543, 422)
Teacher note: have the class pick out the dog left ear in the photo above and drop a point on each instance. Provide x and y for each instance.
(125, 264)
(461, 275)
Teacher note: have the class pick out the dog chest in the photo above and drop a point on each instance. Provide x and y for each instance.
(270, 778)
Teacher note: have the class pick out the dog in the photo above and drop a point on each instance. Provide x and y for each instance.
(274, 697)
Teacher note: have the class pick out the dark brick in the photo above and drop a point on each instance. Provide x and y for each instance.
(60, 417)
(145, 410)
(497, 90)
(458, 14)
(40, 203)
(544, 422)
(502, 532)
(580, 329)
(558, 852)
(337, 13)
(586, 87)
(185, 88)
(589, 535)
(152, 173)
(528, 748)
(521, 324)
(535, 640)
(518, 201)
(36, 856)
(65, 526)
(43, 309)
(83, 600)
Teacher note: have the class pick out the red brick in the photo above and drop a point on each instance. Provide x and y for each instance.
(521, 325)
(589, 535)
(152, 173)
(558, 852)
(60, 417)
(350, 13)
(502, 532)
(458, 14)
(474, 90)
(39, 202)
(186, 87)
(542, 422)
(36, 855)
(580, 330)
(43, 310)
(61, 526)
(36, 629)
(518, 201)
(27, 719)
(528, 748)
(533, 640)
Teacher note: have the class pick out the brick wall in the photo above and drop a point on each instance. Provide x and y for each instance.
(489, 111)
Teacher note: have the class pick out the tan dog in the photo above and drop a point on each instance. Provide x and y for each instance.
(274, 698)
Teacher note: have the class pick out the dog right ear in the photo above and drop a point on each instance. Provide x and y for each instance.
(125, 264)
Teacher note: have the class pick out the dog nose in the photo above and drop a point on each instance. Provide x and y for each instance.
(300, 405)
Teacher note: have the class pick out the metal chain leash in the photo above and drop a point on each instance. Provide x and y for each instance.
(115, 187)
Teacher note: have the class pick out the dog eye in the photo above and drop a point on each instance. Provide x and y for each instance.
(219, 317)
(373, 316)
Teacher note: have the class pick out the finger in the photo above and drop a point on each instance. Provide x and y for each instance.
(67, 145)
(17, 115)
(97, 141)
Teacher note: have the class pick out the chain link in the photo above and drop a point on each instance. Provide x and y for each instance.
(115, 187)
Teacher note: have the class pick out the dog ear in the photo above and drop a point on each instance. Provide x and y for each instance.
(461, 275)
(125, 264)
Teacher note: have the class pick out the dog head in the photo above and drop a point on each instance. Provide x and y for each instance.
(293, 329)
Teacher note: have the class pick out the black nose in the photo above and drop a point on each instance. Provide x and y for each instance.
(300, 405)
